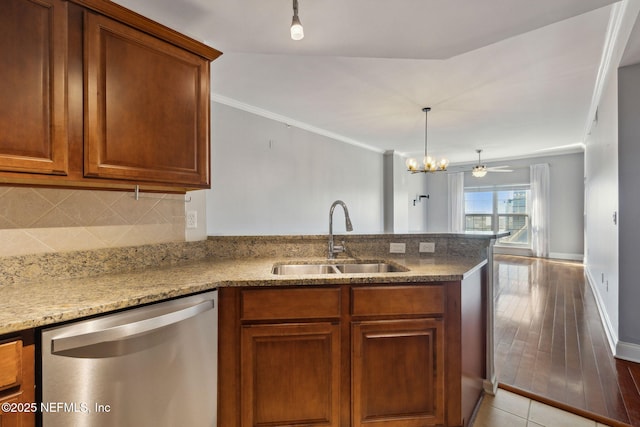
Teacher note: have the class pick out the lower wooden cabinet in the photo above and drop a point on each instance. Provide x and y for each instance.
(343, 356)
(290, 375)
(398, 373)
(17, 381)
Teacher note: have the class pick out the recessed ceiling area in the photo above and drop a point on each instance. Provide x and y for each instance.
(513, 77)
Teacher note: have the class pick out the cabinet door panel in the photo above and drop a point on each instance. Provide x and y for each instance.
(33, 129)
(398, 373)
(290, 375)
(147, 109)
(11, 419)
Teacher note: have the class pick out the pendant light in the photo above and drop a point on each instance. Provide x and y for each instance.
(429, 163)
(297, 32)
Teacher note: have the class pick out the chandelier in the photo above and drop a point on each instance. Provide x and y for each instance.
(429, 163)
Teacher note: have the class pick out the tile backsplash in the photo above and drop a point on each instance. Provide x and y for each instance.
(40, 220)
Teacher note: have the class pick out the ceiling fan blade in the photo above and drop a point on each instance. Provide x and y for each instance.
(499, 170)
(497, 167)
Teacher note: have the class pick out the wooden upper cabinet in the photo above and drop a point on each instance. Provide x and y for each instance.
(93, 95)
(146, 107)
(33, 130)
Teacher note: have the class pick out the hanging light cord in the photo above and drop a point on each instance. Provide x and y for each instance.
(295, 7)
(426, 118)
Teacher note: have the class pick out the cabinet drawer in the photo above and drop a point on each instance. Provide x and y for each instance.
(10, 364)
(397, 300)
(308, 303)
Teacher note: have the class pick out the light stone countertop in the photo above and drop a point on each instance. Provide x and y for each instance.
(44, 302)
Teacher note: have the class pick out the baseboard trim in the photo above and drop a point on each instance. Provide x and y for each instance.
(628, 351)
(610, 332)
(490, 386)
(566, 256)
(507, 250)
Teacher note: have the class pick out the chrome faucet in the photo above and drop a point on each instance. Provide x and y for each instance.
(336, 249)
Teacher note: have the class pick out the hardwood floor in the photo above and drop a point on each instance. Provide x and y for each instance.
(551, 346)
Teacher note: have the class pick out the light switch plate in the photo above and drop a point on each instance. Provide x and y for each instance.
(397, 248)
(428, 247)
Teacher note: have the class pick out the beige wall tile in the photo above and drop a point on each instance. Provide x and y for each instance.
(24, 206)
(19, 242)
(37, 220)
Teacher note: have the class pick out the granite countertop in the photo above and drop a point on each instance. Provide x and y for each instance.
(44, 302)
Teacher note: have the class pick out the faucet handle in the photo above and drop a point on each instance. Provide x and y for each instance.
(339, 248)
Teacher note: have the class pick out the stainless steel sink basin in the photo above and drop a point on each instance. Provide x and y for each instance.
(286, 269)
(346, 268)
(377, 267)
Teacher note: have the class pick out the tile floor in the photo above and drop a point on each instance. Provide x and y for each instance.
(507, 409)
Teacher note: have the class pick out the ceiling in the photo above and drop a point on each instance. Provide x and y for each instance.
(513, 77)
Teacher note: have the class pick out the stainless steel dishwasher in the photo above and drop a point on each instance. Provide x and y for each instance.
(150, 366)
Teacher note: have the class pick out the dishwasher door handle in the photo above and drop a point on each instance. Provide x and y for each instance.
(129, 330)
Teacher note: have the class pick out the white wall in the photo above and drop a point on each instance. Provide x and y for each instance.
(601, 201)
(566, 204)
(611, 186)
(268, 178)
(405, 210)
(629, 204)
(416, 185)
(437, 212)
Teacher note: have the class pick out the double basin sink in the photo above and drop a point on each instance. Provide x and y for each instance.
(367, 267)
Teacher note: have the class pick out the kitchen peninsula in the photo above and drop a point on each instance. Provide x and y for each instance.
(433, 313)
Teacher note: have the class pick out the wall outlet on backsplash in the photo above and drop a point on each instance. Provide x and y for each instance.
(192, 219)
(427, 247)
(397, 248)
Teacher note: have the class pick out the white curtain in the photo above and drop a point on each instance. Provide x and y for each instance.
(456, 202)
(540, 193)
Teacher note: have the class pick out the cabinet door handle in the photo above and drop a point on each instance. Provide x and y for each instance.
(129, 330)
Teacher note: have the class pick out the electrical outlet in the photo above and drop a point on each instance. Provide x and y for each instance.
(427, 247)
(192, 219)
(397, 248)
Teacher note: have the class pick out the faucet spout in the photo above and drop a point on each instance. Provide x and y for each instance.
(335, 249)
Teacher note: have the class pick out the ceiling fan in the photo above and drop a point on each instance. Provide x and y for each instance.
(481, 170)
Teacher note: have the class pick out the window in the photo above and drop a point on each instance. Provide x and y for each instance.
(499, 209)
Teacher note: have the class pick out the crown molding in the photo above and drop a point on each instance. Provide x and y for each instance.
(621, 22)
(220, 99)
